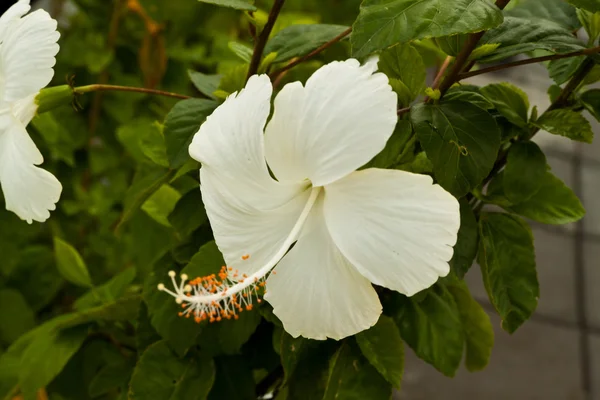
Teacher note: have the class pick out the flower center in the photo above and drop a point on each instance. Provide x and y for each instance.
(226, 294)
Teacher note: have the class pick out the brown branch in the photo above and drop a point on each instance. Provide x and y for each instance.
(275, 75)
(261, 42)
(441, 72)
(463, 57)
(403, 111)
(535, 60)
(115, 88)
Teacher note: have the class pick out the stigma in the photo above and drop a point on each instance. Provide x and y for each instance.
(216, 297)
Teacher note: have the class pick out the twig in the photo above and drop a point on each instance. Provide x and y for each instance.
(403, 111)
(275, 75)
(535, 60)
(260, 44)
(441, 72)
(463, 57)
(115, 88)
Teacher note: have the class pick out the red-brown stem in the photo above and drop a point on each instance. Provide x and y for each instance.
(535, 60)
(261, 42)
(115, 88)
(275, 75)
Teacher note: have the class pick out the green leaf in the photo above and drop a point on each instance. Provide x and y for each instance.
(161, 204)
(507, 261)
(398, 148)
(479, 333)
(46, 356)
(460, 139)
(525, 171)
(509, 100)
(299, 40)
(233, 380)
(245, 5)
(189, 213)
(16, 316)
(352, 377)
(430, 323)
(591, 101)
(181, 124)
(381, 23)
(554, 203)
(382, 346)
(161, 375)
(206, 84)
(152, 145)
(590, 5)
(142, 188)
(557, 11)
(243, 51)
(566, 123)
(70, 264)
(108, 292)
(468, 94)
(562, 70)
(522, 35)
(181, 333)
(452, 45)
(111, 377)
(591, 23)
(292, 350)
(465, 249)
(392, 62)
(145, 334)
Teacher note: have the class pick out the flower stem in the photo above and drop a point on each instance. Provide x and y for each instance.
(261, 42)
(116, 88)
(535, 60)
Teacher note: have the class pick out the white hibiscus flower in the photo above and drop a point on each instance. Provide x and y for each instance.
(27, 49)
(350, 228)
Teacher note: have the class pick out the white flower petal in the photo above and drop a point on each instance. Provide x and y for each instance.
(250, 212)
(337, 123)
(14, 13)
(247, 236)
(395, 227)
(29, 191)
(316, 292)
(27, 56)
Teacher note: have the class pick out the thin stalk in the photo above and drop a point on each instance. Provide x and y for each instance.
(261, 42)
(593, 50)
(115, 88)
(275, 75)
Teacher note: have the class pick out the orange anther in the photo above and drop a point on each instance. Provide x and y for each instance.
(245, 257)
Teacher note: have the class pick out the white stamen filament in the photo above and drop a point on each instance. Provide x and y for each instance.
(200, 301)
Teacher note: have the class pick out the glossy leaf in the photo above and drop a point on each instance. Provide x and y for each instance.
(509, 100)
(393, 63)
(507, 261)
(460, 139)
(299, 40)
(525, 171)
(479, 333)
(70, 264)
(465, 249)
(16, 316)
(430, 323)
(566, 123)
(189, 213)
(161, 375)
(246, 5)
(382, 23)
(591, 101)
(590, 5)
(557, 11)
(181, 124)
(521, 35)
(554, 203)
(206, 84)
(383, 347)
(352, 377)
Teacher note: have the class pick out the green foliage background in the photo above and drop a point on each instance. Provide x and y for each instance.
(80, 316)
